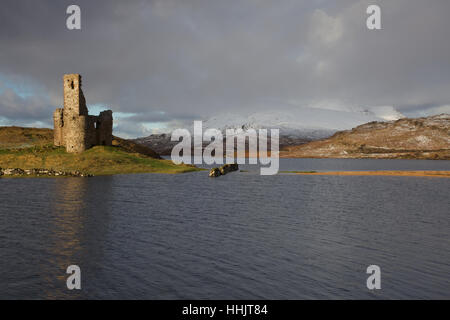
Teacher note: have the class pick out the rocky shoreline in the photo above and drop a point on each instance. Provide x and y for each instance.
(17, 172)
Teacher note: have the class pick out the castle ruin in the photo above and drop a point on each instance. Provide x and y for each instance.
(74, 127)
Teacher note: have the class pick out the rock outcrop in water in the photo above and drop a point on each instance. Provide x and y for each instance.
(214, 172)
(223, 170)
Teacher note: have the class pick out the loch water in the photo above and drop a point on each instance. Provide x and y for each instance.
(240, 236)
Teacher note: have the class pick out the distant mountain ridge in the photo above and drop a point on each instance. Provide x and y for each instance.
(297, 125)
(301, 122)
(419, 138)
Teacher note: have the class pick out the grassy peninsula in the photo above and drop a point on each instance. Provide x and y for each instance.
(28, 148)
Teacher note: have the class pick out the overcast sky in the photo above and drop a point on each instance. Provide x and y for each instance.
(162, 64)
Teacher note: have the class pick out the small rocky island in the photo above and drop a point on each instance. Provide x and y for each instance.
(223, 170)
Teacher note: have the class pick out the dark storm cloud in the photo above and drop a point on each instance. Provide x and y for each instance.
(15, 107)
(170, 61)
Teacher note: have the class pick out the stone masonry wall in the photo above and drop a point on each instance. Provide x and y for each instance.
(58, 124)
(74, 127)
(104, 128)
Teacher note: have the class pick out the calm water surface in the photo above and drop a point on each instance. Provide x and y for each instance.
(241, 236)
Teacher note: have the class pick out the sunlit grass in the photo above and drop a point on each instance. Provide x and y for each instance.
(28, 148)
(99, 160)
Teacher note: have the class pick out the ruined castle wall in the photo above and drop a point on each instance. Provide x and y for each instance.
(74, 127)
(76, 132)
(92, 131)
(74, 101)
(58, 122)
(104, 128)
(77, 129)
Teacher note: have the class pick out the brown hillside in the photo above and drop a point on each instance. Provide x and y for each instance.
(134, 147)
(421, 138)
(17, 137)
(20, 138)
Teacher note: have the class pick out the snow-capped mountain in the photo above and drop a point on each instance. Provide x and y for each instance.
(302, 122)
(297, 125)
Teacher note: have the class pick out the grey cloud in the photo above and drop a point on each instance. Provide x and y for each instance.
(34, 108)
(160, 116)
(196, 58)
(424, 109)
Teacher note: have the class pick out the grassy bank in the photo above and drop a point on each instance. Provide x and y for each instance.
(28, 148)
(99, 160)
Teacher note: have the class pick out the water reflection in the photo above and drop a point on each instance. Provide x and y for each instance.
(68, 212)
(77, 230)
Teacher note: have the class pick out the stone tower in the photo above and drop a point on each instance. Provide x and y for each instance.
(74, 127)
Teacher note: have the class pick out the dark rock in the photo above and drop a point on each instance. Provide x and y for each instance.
(215, 172)
(226, 168)
(14, 171)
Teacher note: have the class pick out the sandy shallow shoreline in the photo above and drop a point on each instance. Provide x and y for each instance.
(437, 174)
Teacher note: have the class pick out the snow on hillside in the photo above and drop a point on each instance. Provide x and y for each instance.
(304, 122)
